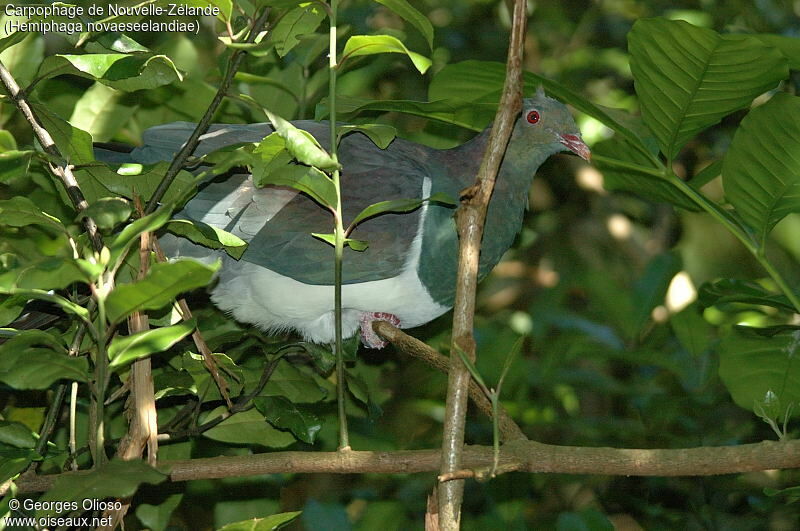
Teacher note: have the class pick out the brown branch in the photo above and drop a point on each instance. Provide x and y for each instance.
(470, 220)
(509, 430)
(62, 172)
(194, 139)
(525, 456)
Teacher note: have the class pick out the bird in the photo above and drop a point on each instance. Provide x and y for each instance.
(284, 281)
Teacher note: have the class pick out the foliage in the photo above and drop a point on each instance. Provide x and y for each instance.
(612, 358)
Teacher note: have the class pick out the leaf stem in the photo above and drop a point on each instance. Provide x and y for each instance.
(339, 236)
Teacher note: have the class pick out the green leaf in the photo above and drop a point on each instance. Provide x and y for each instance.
(247, 427)
(156, 517)
(397, 205)
(752, 365)
(374, 44)
(130, 233)
(282, 413)
(126, 72)
(124, 349)
(356, 245)
(407, 12)
(164, 282)
(688, 78)
(380, 134)
(15, 460)
(115, 479)
(692, 330)
(208, 236)
(74, 144)
(729, 291)
(298, 21)
(20, 211)
(299, 387)
(627, 169)
(761, 171)
(46, 274)
(10, 308)
(789, 47)
(129, 180)
(107, 212)
(304, 178)
(16, 434)
(100, 111)
(14, 164)
(34, 360)
(269, 523)
(301, 144)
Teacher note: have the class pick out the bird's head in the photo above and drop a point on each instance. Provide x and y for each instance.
(547, 124)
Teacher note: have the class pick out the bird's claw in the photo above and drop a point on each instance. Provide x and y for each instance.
(368, 335)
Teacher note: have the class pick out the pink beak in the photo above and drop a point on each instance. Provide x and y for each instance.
(575, 144)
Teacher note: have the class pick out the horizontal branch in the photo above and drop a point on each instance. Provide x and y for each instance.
(524, 456)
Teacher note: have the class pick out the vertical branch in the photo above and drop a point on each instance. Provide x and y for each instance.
(344, 438)
(470, 220)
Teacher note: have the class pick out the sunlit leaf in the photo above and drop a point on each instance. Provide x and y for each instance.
(164, 282)
(411, 15)
(124, 349)
(298, 21)
(125, 239)
(358, 45)
(108, 212)
(304, 178)
(126, 72)
(208, 236)
(269, 523)
(301, 144)
(380, 134)
(34, 360)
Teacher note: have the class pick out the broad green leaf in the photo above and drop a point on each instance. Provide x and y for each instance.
(301, 144)
(225, 6)
(299, 21)
(399, 205)
(375, 44)
(412, 16)
(164, 282)
(380, 134)
(10, 308)
(14, 163)
(692, 330)
(101, 112)
(208, 236)
(322, 356)
(269, 523)
(761, 171)
(284, 414)
(43, 295)
(46, 274)
(31, 360)
(752, 365)
(156, 517)
(126, 72)
(731, 291)
(17, 435)
(247, 427)
(130, 233)
(107, 212)
(15, 460)
(132, 179)
(304, 178)
(289, 381)
(115, 479)
(789, 47)
(688, 78)
(204, 385)
(20, 211)
(124, 349)
(23, 57)
(706, 175)
(627, 169)
(74, 144)
(587, 519)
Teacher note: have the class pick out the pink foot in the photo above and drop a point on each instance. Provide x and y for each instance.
(368, 335)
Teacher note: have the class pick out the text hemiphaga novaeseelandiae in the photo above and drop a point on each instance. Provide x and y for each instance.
(284, 280)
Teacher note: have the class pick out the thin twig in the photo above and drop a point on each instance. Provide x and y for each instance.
(470, 220)
(194, 139)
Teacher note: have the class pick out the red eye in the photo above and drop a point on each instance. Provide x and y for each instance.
(533, 117)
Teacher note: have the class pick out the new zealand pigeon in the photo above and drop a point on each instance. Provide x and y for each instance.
(284, 280)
